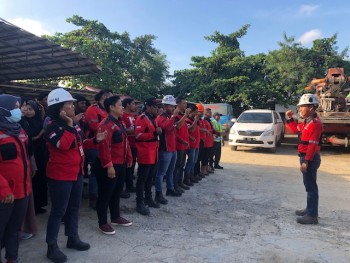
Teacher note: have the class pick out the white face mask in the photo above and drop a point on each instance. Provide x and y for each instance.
(16, 116)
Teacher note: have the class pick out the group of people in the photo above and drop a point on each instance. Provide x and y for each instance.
(47, 145)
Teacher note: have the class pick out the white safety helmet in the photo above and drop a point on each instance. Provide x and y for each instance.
(59, 95)
(169, 100)
(308, 99)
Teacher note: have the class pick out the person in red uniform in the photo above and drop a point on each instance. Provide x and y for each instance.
(310, 131)
(93, 116)
(182, 143)
(199, 170)
(129, 122)
(167, 149)
(194, 136)
(209, 142)
(15, 182)
(146, 137)
(113, 159)
(65, 168)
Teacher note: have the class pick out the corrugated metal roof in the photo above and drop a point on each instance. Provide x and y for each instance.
(26, 56)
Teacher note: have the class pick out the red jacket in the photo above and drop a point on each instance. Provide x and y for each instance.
(181, 135)
(66, 147)
(129, 121)
(167, 138)
(201, 124)
(146, 139)
(195, 134)
(310, 132)
(209, 140)
(115, 149)
(14, 165)
(94, 115)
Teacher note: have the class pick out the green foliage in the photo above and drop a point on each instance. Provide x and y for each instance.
(260, 80)
(132, 67)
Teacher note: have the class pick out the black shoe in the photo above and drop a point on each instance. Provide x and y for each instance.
(76, 243)
(172, 193)
(151, 203)
(184, 186)
(142, 209)
(179, 190)
(40, 210)
(301, 212)
(124, 195)
(307, 220)
(55, 254)
(198, 177)
(160, 198)
(131, 189)
(218, 167)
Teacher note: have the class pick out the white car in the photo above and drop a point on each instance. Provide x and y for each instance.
(257, 128)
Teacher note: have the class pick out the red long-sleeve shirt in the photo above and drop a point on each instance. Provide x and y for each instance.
(14, 165)
(181, 135)
(195, 134)
(167, 138)
(93, 116)
(310, 132)
(115, 149)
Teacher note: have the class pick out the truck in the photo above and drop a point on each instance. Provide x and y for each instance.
(334, 106)
(226, 112)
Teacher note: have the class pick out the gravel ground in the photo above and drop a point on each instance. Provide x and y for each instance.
(244, 213)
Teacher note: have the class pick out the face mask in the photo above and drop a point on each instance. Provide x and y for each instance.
(16, 115)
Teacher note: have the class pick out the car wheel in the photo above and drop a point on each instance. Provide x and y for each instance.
(274, 148)
(280, 140)
(234, 148)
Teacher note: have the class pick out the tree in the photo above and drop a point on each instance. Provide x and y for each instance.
(132, 67)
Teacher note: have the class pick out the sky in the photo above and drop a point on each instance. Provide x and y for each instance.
(181, 25)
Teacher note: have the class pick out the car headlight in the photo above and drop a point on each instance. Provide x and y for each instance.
(269, 133)
(234, 132)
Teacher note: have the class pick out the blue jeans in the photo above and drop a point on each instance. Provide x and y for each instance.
(191, 160)
(310, 184)
(91, 156)
(166, 166)
(65, 202)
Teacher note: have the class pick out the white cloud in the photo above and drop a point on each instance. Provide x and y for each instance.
(309, 36)
(30, 25)
(308, 9)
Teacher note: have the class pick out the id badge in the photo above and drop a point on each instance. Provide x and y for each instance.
(81, 150)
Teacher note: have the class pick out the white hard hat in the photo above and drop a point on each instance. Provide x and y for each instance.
(169, 100)
(308, 99)
(59, 95)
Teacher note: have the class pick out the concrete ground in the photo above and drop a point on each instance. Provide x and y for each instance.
(244, 213)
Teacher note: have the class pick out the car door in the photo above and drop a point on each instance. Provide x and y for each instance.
(278, 124)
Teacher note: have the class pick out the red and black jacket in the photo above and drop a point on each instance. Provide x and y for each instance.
(181, 134)
(146, 139)
(93, 116)
(195, 134)
(309, 132)
(14, 165)
(167, 141)
(129, 121)
(209, 140)
(66, 146)
(115, 149)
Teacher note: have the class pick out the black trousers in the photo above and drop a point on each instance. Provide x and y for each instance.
(130, 171)
(216, 156)
(179, 166)
(145, 176)
(11, 218)
(197, 167)
(109, 190)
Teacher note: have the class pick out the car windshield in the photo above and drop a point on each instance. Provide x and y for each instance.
(255, 117)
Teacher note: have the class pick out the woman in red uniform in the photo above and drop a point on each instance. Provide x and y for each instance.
(65, 172)
(15, 186)
(114, 155)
